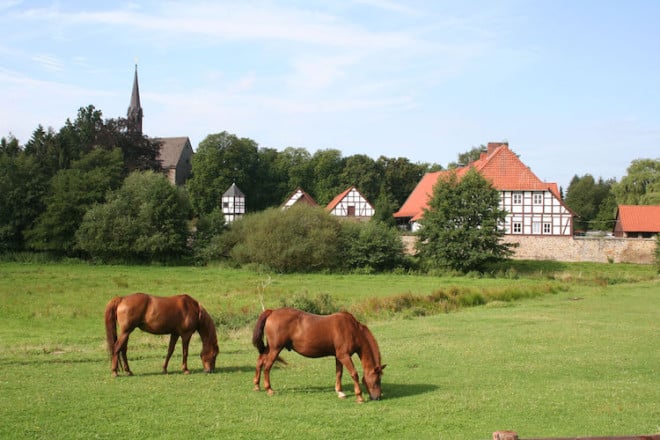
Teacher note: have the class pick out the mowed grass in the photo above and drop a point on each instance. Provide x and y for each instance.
(581, 360)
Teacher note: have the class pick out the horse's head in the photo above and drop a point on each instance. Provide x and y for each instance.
(208, 358)
(371, 379)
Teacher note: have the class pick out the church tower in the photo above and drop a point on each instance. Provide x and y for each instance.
(134, 114)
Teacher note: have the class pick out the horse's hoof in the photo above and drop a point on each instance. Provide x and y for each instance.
(271, 392)
(341, 395)
(186, 371)
(129, 373)
(114, 374)
(256, 388)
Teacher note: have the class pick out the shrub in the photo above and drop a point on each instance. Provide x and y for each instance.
(145, 220)
(371, 246)
(298, 239)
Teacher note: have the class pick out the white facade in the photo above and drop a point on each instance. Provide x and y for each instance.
(532, 213)
(353, 205)
(535, 213)
(233, 204)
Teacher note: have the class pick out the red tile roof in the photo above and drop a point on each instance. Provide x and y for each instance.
(639, 218)
(500, 166)
(338, 199)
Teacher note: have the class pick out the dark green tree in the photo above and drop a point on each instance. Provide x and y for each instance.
(460, 229)
(294, 166)
(72, 192)
(327, 166)
(23, 186)
(364, 173)
(585, 196)
(222, 159)
(145, 220)
(400, 176)
(468, 157)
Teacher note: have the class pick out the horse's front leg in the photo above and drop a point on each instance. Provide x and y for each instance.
(348, 363)
(339, 371)
(170, 349)
(185, 340)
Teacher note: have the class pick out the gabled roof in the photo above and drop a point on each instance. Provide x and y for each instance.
(171, 149)
(639, 218)
(334, 202)
(499, 165)
(298, 196)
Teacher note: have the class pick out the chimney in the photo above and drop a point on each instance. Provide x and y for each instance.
(492, 146)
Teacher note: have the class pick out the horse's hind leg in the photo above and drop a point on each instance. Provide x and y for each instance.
(119, 354)
(269, 359)
(340, 370)
(257, 374)
(170, 349)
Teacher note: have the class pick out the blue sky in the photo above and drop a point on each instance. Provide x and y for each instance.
(572, 85)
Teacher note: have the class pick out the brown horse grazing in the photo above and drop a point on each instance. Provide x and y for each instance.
(178, 316)
(339, 335)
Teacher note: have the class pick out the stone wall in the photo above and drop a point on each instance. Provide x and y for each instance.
(570, 249)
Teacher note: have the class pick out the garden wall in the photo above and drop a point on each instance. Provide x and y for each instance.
(570, 249)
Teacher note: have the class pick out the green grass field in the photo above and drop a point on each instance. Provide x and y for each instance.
(579, 359)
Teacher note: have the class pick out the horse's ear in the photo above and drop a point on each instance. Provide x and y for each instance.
(379, 369)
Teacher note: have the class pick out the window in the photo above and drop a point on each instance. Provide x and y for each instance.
(350, 211)
(538, 198)
(536, 228)
(517, 228)
(546, 228)
(517, 198)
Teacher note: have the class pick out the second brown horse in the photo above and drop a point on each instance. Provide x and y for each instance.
(339, 335)
(178, 316)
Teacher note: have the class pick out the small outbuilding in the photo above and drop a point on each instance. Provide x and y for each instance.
(637, 221)
(233, 203)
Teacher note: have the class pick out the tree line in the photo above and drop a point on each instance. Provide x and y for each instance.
(94, 189)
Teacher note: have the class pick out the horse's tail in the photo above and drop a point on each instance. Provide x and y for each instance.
(258, 334)
(111, 323)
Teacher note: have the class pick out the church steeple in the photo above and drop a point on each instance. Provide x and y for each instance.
(134, 114)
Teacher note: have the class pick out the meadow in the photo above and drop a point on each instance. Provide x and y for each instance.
(549, 350)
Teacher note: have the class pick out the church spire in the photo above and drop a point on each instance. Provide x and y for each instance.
(134, 114)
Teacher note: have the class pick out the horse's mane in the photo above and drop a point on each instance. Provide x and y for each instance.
(206, 325)
(373, 345)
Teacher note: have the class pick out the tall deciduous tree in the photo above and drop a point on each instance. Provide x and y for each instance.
(222, 159)
(641, 186)
(460, 229)
(72, 192)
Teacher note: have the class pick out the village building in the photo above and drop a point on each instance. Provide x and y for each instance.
(351, 204)
(233, 203)
(637, 221)
(175, 153)
(298, 196)
(533, 207)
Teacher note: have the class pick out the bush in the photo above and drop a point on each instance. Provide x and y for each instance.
(371, 246)
(298, 239)
(145, 220)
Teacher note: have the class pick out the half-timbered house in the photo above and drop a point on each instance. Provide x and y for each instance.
(299, 197)
(351, 204)
(533, 207)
